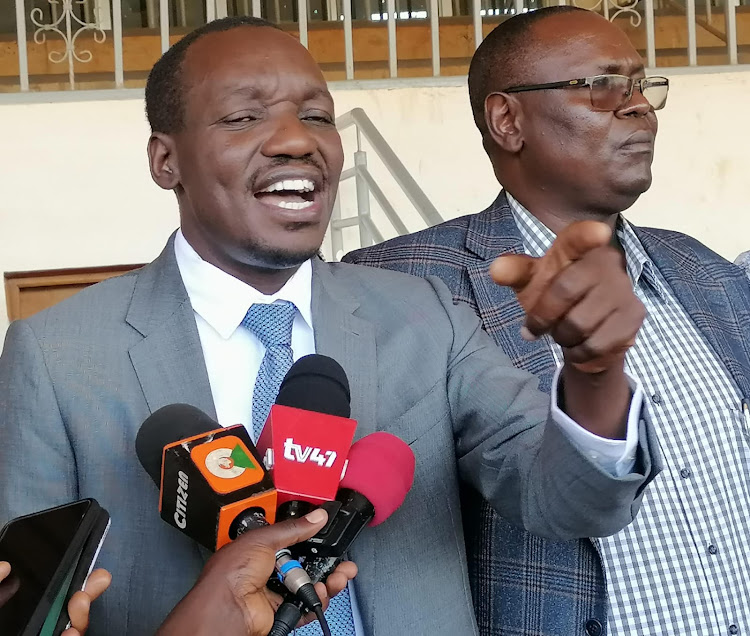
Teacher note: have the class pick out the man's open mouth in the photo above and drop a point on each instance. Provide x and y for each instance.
(289, 194)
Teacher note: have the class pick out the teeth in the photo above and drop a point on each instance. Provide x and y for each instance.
(291, 185)
(294, 205)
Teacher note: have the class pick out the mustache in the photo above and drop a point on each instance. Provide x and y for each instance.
(279, 162)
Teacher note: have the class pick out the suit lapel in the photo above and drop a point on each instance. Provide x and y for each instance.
(169, 360)
(490, 234)
(715, 295)
(350, 341)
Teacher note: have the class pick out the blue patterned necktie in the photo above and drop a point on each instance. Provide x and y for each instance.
(272, 324)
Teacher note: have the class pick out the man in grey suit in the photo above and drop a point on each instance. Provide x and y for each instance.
(244, 134)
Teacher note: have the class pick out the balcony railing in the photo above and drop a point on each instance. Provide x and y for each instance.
(99, 44)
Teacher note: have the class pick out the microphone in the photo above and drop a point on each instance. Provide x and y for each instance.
(212, 482)
(213, 485)
(378, 478)
(307, 435)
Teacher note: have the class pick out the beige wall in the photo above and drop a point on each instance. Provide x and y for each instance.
(75, 189)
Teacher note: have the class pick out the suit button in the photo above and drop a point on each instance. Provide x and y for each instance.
(594, 628)
(733, 629)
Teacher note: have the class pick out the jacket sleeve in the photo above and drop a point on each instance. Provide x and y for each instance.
(517, 457)
(37, 464)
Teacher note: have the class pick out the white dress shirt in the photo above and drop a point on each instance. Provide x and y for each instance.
(233, 356)
(232, 353)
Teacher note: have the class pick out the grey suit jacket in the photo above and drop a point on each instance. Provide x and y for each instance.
(77, 380)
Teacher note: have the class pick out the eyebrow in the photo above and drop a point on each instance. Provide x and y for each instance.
(252, 92)
(317, 91)
(244, 91)
(618, 69)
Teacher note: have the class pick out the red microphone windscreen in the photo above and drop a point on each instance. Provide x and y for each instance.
(381, 467)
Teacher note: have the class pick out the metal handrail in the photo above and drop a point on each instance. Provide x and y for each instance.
(357, 117)
(367, 187)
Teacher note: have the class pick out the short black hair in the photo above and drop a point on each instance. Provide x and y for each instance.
(165, 107)
(498, 61)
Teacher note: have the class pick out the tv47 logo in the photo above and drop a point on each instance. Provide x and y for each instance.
(297, 453)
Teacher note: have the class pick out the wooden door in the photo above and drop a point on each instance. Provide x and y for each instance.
(26, 293)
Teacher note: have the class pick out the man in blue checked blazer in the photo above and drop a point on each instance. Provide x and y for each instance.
(569, 144)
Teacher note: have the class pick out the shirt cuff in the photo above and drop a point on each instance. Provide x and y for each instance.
(616, 456)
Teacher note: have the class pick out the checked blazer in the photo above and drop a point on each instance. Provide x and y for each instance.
(522, 584)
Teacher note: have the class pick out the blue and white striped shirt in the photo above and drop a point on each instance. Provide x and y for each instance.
(683, 566)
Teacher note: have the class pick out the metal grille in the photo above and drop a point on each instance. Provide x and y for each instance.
(73, 44)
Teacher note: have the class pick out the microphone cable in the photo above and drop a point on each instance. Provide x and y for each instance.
(322, 620)
(288, 616)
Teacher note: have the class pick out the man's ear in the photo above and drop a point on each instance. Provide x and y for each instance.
(162, 160)
(503, 118)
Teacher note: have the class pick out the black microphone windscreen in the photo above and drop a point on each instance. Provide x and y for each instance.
(316, 383)
(169, 424)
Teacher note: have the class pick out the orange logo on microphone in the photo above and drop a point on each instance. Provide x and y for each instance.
(227, 464)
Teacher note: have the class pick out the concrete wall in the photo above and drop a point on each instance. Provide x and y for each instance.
(75, 188)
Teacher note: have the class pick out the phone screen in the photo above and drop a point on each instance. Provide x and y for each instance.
(34, 546)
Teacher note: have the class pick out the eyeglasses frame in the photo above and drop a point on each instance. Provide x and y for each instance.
(582, 82)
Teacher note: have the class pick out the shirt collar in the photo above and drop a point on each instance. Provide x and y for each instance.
(538, 238)
(223, 300)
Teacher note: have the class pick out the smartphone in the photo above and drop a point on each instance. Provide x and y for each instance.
(50, 553)
(57, 619)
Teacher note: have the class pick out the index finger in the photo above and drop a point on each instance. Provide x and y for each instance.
(79, 606)
(80, 603)
(98, 581)
(340, 577)
(579, 238)
(572, 244)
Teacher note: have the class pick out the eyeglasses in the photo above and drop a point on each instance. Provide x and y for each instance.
(610, 92)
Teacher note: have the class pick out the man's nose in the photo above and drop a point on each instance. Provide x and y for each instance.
(290, 137)
(638, 106)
